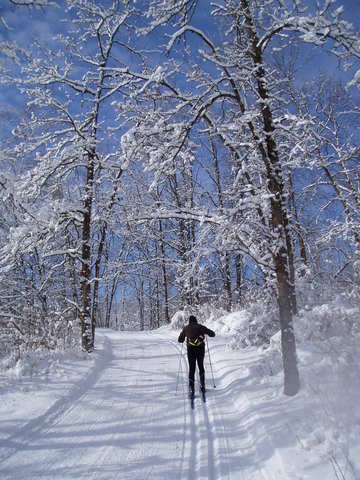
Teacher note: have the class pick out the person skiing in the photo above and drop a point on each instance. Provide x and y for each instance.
(195, 333)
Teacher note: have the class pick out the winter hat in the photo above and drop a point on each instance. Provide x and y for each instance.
(192, 319)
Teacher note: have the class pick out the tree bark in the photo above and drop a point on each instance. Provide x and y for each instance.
(85, 316)
(103, 235)
(225, 259)
(281, 254)
(238, 266)
(164, 275)
(302, 248)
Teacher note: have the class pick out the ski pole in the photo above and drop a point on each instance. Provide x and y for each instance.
(179, 368)
(212, 373)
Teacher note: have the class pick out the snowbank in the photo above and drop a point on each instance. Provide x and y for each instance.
(38, 363)
(325, 416)
(323, 419)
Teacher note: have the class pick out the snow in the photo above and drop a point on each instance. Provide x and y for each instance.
(355, 80)
(123, 412)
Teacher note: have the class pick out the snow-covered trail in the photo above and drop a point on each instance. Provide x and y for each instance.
(124, 420)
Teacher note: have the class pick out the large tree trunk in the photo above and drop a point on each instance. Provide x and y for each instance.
(281, 255)
(87, 328)
(288, 345)
(85, 314)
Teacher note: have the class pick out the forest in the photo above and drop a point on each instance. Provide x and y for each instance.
(176, 155)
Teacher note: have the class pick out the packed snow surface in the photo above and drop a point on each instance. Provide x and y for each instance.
(123, 413)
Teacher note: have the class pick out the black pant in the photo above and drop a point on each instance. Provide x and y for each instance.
(196, 354)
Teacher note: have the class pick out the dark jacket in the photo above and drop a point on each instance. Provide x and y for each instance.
(195, 334)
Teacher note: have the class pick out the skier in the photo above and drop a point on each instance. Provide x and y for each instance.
(195, 337)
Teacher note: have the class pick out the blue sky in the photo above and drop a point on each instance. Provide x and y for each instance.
(41, 23)
(29, 24)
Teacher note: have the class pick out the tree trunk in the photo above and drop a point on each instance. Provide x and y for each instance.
(110, 301)
(303, 254)
(281, 255)
(164, 275)
(288, 345)
(85, 316)
(238, 266)
(227, 282)
(141, 304)
(96, 281)
(157, 311)
(185, 298)
(225, 259)
(100, 252)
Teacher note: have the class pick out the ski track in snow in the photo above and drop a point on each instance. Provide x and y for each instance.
(124, 420)
(203, 449)
(22, 438)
